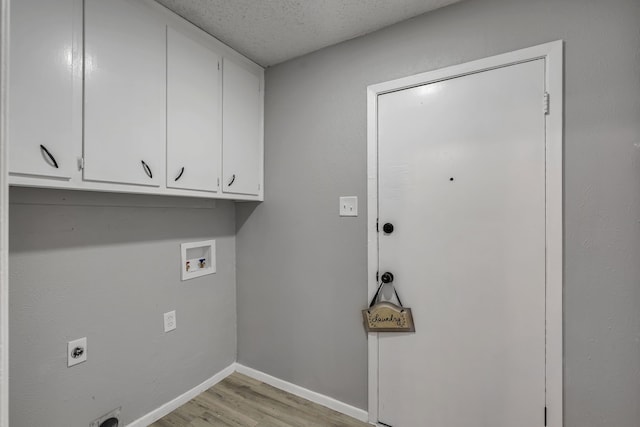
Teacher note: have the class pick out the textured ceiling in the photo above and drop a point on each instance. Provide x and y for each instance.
(272, 31)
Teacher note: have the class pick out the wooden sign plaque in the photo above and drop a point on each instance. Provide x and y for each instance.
(388, 317)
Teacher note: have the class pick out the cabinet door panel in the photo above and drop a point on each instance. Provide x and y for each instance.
(125, 84)
(194, 116)
(241, 127)
(44, 91)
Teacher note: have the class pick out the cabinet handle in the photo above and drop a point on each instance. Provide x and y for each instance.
(53, 159)
(147, 169)
(180, 174)
(233, 178)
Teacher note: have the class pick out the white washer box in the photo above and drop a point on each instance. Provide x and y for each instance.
(198, 259)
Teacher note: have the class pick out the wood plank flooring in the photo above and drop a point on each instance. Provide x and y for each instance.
(241, 401)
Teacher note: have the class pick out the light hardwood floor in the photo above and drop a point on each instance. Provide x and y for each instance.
(241, 401)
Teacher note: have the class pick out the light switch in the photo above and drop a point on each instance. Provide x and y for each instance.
(349, 206)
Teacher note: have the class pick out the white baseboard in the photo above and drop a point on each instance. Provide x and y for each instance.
(318, 398)
(169, 407)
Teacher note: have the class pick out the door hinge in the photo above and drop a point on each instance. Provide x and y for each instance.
(545, 416)
(80, 163)
(377, 276)
(218, 65)
(218, 182)
(545, 103)
(377, 224)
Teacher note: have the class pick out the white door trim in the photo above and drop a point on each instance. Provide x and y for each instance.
(552, 53)
(4, 217)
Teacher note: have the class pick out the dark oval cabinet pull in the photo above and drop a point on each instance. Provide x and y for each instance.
(180, 174)
(49, 155)
(233, 179)
(387, 228)
(147, 169)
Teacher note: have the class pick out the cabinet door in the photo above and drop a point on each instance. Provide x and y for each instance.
(241, 130)
(45, 88)
(194, 115)
(125, 83)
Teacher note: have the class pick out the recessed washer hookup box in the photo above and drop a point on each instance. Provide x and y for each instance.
(198, 259)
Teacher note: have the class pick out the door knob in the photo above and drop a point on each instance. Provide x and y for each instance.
(388, 228)
(387, 277)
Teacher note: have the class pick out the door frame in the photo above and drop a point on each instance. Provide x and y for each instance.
(552, 53)
(4, 217)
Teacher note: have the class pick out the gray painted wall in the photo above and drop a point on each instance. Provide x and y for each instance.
(301, 277)
(107, 266)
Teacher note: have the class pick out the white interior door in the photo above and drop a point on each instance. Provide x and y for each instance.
(462, 178)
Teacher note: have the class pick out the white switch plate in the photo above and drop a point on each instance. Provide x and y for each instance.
(170, 321)
(349, 206)
(76, 351)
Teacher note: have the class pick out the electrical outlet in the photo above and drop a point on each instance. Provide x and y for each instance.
(76, 351)
(170, 321)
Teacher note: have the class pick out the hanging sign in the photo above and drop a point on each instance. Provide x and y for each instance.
(387, 317)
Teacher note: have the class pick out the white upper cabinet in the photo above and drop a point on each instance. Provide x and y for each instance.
(194, 114)
(45, 88)
(125, 93)
(242, 130)
(126, 96)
